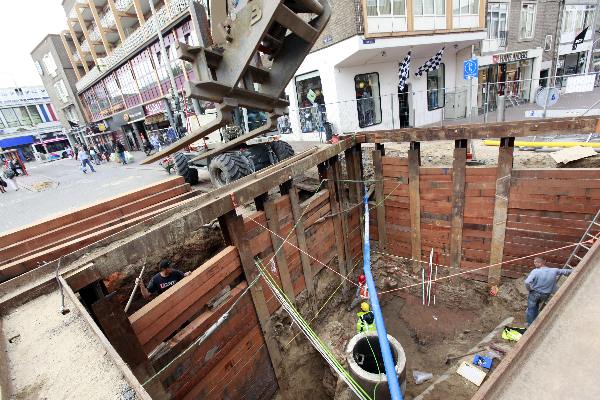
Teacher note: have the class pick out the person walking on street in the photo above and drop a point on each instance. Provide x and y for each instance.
(362, 292)
(9, 175)
(541, 283)
(3, 185)
(366, 319)
(84, 157)
(120, 150)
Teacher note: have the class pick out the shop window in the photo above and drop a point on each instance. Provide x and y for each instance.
(429, 7)
(497, 22)
(376, 8)
(527, 24)
(368, 99)
(465, 7)
(436, 96)
(570, 64)
(311, 102)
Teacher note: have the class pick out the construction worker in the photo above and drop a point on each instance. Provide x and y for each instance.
(163, 280)
(541, 283)
(362, 292)
(366, 319)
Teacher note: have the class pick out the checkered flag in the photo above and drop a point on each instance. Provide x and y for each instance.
(432, 64)
(403, 72)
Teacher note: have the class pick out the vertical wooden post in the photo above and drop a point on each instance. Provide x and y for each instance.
(414, 163)
(379, 196)
(277, 243)
(117, 329)
(503, 177)
(458, 201)
(234, 225)
(336, 219)
(343, 200)
(301, 237)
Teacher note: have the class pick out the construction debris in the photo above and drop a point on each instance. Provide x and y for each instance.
(572, 154)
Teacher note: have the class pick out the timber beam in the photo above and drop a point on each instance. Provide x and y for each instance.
(548, 126)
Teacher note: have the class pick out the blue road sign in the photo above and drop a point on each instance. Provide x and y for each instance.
(470, 68)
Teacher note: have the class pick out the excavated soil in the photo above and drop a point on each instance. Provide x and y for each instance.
(464, 313)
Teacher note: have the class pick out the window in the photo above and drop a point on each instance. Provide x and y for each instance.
(377, 8)
(35, 115)
(368, 100)
(10, 117)
(497, 22)
(429, 7)
(61, 91)
(465, 7)
(527, 25)
(577, 17)
(23, 116)
(436, 96)
(311, 101)
(49, 63)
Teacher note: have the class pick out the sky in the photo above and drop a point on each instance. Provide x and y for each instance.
(23, 25)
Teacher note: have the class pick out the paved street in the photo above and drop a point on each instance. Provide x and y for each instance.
(65, 187)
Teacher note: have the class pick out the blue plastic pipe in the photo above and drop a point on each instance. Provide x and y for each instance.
(386, 352)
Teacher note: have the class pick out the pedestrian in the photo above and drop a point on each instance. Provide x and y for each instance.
(84, 157)
(120, 150)
(94, 156)
(163, 280)
(362, 292)
(9, 175)
(3, 185)
(366, 319)
(541, 283)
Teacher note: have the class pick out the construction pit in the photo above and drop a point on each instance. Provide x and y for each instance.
(222, 333)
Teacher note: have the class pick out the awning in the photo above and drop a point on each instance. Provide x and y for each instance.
(16, 141)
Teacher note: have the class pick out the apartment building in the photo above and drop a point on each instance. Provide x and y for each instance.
(59, 79)
(351, 77)
(122, 78)
(29, 123)
(520, 51)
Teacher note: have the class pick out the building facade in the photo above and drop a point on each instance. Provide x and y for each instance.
(122, 76)
(29, 123)
(59, 79)
(351, 78)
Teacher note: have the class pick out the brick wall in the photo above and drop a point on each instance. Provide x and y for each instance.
(345, 22)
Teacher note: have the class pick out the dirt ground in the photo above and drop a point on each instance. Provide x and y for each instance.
(464, 314)
(55, 356)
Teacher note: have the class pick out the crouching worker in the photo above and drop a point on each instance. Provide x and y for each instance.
(366, 319)
(166, 277)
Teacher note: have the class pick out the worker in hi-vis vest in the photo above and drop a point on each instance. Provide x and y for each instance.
(366, 319)
(362, 292)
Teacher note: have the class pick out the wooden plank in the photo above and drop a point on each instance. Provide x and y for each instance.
(337, 221)
(234, 224)
(115, 324)
(277, 244)
(345, 208)
(458, 205)
(378, 169)
(301, 238)
(415, 206)
(548, 126)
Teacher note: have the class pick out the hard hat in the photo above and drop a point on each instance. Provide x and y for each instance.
(362, 279)
(365, 306)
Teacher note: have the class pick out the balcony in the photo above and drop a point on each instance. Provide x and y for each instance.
(134, 41)
(123, 5)
(495, 44)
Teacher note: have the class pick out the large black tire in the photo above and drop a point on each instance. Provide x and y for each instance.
(282, 149)
(190, 175)
(228, 167)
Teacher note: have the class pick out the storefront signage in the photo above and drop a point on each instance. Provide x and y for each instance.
(157, 107)
(133, 116)
(311, 96)
(509, 57)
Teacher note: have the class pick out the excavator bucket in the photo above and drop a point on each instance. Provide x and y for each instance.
(258, 51)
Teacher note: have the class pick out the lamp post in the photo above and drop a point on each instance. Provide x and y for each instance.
(167, 64)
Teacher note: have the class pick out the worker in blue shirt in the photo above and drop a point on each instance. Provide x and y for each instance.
(541, 283)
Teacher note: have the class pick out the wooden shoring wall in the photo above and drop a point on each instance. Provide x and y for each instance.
(211, 370)
(547, 209)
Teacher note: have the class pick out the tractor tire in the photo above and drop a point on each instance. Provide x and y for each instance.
(282, 149)
(228, 167)
(190, 175)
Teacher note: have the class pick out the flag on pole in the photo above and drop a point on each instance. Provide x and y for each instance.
(403, 72)
(432, 64)
(579, 38)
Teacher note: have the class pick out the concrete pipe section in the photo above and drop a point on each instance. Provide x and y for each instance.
(364, 356)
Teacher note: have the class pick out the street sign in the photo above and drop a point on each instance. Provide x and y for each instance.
(470, 68)
(545, 98)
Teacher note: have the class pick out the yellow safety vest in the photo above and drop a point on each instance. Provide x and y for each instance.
(362, 325)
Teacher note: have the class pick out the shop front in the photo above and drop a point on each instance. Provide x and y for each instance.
(570, 64)
(22, 145)
(311, 102)
(131, 125)
(507, 74)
